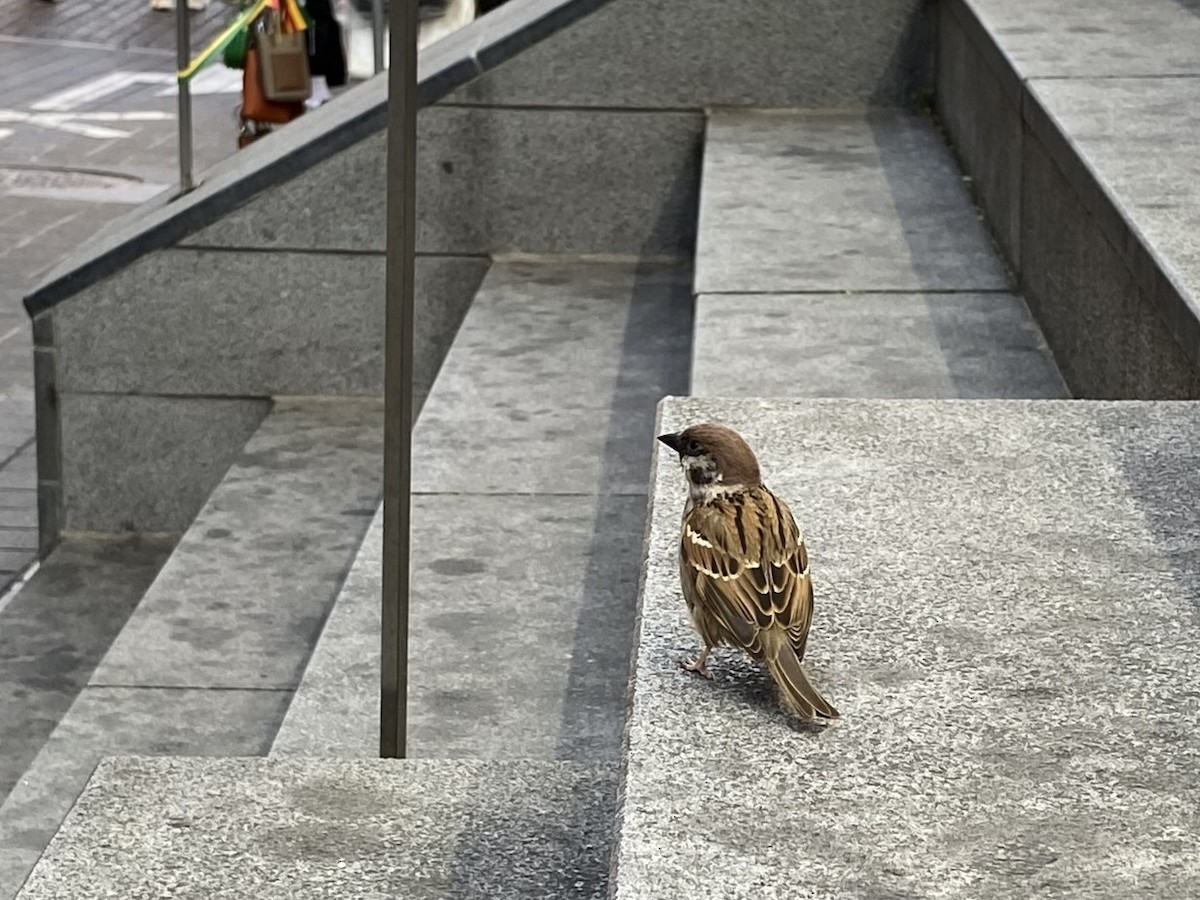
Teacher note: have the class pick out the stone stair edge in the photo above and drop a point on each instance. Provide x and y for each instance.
(1177, 304)
(639, 875)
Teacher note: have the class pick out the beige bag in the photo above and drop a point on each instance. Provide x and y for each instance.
(283, 61)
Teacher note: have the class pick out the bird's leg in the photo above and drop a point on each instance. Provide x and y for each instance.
(697, 665)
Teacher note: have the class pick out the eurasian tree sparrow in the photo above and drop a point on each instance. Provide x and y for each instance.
(743, 564)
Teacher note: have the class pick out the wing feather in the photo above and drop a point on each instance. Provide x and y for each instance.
(748, 568)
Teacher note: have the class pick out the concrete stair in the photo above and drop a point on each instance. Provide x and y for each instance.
(1073, 119)
(1004, 616)
(1005, 579)
(527, 525)
(1005, 586)
(207, 661)
(839, 255)
(56, 629)
(530, 482)
(425, 830)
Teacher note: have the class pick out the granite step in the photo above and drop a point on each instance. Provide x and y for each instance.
(1081, 141)
(530, 473)
(421, 830)
(55, 630)
(839, 255)
(1005, 616)
(207, 662)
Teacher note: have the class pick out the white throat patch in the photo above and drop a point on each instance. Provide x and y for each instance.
(705, 483)
(707, 493)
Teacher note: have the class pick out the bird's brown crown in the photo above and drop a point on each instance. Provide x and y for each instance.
(733, 457)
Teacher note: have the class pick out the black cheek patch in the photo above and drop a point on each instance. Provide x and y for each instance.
(699, 476)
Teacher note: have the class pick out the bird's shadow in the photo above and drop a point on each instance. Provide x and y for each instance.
(741, 680)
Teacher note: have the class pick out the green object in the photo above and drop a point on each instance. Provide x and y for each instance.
(237, 30)
(234, 54)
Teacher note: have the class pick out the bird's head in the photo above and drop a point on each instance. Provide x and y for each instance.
(715, 459)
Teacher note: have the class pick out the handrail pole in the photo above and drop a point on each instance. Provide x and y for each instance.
(183, 52)
(377, 30)
(398, 375)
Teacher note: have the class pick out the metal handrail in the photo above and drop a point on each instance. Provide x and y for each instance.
(398, 340)
(398, 375)
(187, 68)
(183, 52)
(377, 24)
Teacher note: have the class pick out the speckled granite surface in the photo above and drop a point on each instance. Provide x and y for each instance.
(530, 471)
(206, 663)
(836, 202)
(362, 829)
(1005, 615)
(888, 345)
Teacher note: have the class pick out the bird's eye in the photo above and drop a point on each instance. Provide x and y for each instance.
(693, 448)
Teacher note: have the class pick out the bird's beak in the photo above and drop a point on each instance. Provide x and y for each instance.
(674, 441)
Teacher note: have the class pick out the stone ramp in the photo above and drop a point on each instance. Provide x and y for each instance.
(207, 662)
(1005, 614)
(421, 830)
(839, 255)
(530, 470)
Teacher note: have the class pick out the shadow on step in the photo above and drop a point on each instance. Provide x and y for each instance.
(1158, 464)
(55, 631)
(537, 843)
(655, 358)
(990, 345)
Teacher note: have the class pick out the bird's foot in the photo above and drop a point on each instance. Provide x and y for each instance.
(697, 665)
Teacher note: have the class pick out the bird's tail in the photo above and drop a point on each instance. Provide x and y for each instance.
(798, 695)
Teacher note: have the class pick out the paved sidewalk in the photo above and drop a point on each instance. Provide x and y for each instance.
(117, 24)
(87, 131)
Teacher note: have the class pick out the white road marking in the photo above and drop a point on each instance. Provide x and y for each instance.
(216, 79)
(133, 193)
(78, 123)
(134, 115)
(60, 123)
(20, 582)
(10, 333)
(98, 88)
(59, 111)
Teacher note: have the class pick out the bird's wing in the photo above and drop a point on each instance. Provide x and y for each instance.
(750, 567)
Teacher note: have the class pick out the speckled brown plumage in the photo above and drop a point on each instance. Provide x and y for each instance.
(743, 565)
